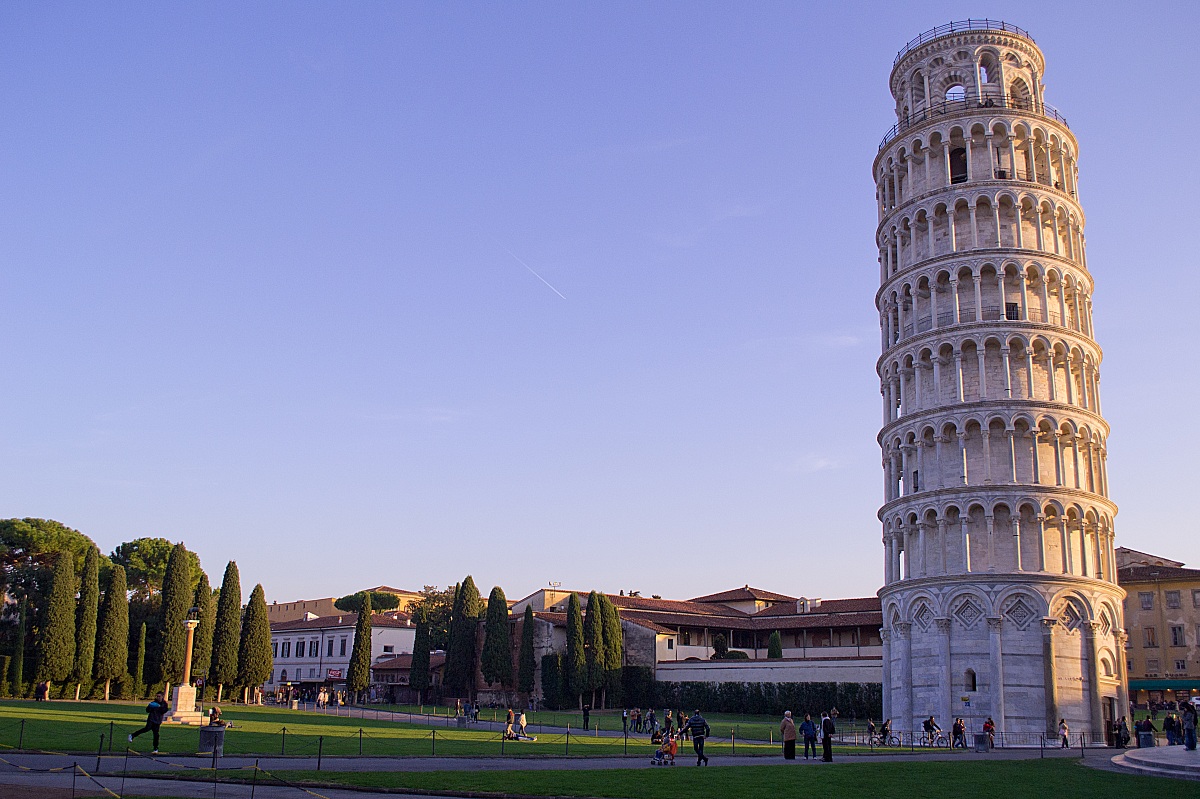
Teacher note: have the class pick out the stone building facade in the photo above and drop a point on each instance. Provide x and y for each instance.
(1000, 597)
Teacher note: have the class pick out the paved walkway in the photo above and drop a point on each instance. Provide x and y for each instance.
(1160, 761)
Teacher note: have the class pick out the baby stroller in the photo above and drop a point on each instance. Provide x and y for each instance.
(665, 754)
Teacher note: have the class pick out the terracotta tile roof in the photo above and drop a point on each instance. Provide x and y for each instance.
(745, 594)
(860, 605)
(674, 606)
(391, 618)
(560, 620)
(809, 620)
(404, 662)
(1148, 574)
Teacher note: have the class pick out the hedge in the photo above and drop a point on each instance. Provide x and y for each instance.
(853, 700)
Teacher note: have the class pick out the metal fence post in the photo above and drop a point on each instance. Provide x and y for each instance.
(434, 731)
(733, 739)
(568, 749)
(283, 742)
(254, 782)
(360, 731)
(99, 752)
(74, 769)
(110, 735)
(21, 736)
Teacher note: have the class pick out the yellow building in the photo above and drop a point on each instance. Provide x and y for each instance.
(1162, 618)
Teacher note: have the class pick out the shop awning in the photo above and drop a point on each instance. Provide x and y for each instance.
(1164, 685)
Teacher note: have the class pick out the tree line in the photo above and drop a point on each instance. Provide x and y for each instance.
(97, 626)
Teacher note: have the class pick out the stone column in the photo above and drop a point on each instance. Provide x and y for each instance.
(1122, 674)
(885, 636)
(997, 657)
(945, 702)
(1016, 528)
(1092, 629)
(1049, 674)
(905, 709)
(941, 524)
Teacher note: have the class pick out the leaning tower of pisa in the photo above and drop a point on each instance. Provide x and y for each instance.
(1000, 597)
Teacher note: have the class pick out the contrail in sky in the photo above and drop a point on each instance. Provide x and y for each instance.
(535, 274)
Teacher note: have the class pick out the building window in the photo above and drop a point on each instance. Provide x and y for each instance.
(342, 648)
(1196, 597)
(670, 643)
(312, 672)
(1152, 666)
(1147, 599)
(1150, 637)
(1173, 599)
(685, 637)
(388, 650)
(329, 653)
(969, 681)
(1129, 664)
(1177, 636)
(285, 652)
(314, 648)
(1181, 665)
(274, 649)
(283, 676)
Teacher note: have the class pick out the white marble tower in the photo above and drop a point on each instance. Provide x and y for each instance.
(1000, 597)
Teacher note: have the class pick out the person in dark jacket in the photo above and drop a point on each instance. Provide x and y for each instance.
(827, 731)
(154, 719)
(808, 728)
(699, 729)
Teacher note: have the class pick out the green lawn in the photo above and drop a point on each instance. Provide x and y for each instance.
(76, 727)
(1060, 779)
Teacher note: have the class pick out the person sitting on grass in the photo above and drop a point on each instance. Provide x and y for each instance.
(154, 718)
(214, 717)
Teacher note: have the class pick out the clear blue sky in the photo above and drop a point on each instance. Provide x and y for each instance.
(265, 289)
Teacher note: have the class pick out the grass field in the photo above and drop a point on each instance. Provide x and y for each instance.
(1060, 779)
(77, 727)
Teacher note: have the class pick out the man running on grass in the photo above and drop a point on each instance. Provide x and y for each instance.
(154, 718)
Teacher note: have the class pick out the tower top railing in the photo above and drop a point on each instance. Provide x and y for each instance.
(961, 26)
(973, 104)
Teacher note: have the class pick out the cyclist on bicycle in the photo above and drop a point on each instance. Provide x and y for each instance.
(885, 732)
(931, 730)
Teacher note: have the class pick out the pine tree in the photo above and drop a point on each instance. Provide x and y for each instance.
(177, 597)
(254, 647)
(17, 669)
(593, 639)
(139, 668)
(202, 643)
(614, 653)
(56, 643)
(112, 655)
(496, 661)
(574, 680)
(418, 674)
(461, 652)
(85, 620)
(526, 664)
(358, 676)
(775, 646)
(223, 667)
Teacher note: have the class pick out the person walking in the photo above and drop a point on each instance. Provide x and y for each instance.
(808, 729)
(787, 731)
(154, 718)
(1065, 732)
(508, 724)
(700, 731)
(827, 731)
(521, 724)
(651, 722)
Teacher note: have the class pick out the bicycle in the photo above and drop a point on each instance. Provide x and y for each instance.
(938, 740)
(880, 740)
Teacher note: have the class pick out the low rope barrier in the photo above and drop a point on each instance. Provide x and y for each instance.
(97, 782)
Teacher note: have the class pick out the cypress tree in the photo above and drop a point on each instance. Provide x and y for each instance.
(358, 676)
(496, 662)
(223, 666)
(418, 673)
(574, 679)
(18, 665)
(254, 648)
(525, 662)
(461, 651)
(139, 668)
(177, 597)
(614, 653)
(593, 638)
(112, 656)
(202, 643)
(56, 643)
(775, 646)
(85, 620)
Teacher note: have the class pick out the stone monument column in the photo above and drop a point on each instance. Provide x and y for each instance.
(183, 696)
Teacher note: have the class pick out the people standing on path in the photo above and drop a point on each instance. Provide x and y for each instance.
(154, 718)
(989, 728)
(521, 724)
(651, 722)
(508, 724)
(587, 716)
(683, 725)
(1188, 723)
(625, 722)
(700, 731)
(787, 731)
(808, 728)
(827, 731)
(1169, 728)
(1064, 731)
